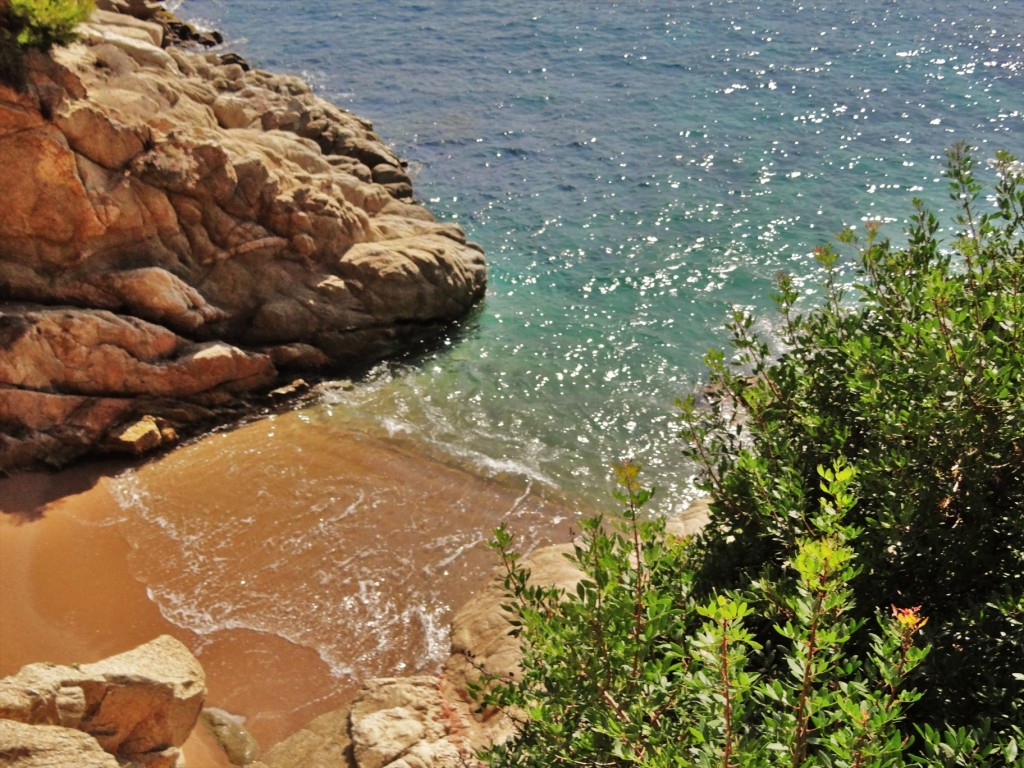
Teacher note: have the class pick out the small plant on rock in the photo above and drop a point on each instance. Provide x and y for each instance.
(42, 24)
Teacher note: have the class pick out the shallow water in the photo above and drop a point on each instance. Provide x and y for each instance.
(293, 558)
(336, 542)
(634, 171)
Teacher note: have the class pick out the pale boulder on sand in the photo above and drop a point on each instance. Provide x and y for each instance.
(139, 707)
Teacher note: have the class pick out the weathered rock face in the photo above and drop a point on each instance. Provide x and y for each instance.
(404, 723)
(184, 228)
(50, 746)
(138, 706)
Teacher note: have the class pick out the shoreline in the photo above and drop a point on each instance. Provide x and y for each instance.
(85, 576)
(95, 604)
(92, 607)
(230, 232)
(81, 580)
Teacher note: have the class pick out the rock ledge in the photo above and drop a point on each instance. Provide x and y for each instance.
(134, 709)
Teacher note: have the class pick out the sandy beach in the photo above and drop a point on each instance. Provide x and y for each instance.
(67, 596)
(81, 577)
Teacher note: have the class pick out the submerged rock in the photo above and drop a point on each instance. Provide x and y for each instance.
(238, 744)
(176, 227)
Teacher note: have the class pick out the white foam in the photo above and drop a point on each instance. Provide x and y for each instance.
(129, 493)
(184, 611)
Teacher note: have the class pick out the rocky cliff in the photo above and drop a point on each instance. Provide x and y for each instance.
(178, 231)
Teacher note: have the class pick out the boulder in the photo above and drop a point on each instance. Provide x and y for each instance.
(482, 644)
(141, 437)
(323, 743)
(125, 20)
(102, 353)
(229, 732)
(139, 706)
(402, 723)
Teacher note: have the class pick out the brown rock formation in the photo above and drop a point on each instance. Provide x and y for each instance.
(138, 706)
(176, 229)
(238, 744)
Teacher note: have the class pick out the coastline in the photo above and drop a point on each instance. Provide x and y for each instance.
(287, 564)
(71, 574)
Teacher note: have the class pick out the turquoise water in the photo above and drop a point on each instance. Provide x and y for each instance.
(634, 171)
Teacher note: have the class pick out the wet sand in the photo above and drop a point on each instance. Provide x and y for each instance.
(73, 562)
(67, 596)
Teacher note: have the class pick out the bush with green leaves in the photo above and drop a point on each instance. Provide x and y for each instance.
(635, 667)
(857, 598)
(44, 23)
(920, 386)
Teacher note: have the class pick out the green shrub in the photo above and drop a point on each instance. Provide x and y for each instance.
(920, 386)
(44, 23)
(867, 614)
(636, 668)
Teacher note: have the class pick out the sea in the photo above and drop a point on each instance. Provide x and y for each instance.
(635, 172)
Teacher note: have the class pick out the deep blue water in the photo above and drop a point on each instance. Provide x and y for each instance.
(634, 171)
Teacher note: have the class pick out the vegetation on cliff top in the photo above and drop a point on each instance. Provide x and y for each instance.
(35, 24)
(858, 596)
(44, 23)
